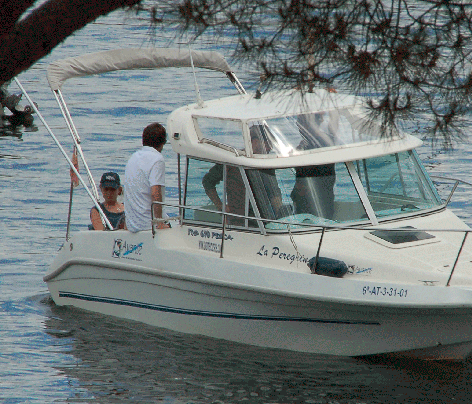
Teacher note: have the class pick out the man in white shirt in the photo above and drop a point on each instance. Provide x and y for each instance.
(144, 180)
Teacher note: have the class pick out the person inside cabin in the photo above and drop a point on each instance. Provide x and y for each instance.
(313, 191)
(318, 130)
(263, 183)
(145, 180)
(110, 187)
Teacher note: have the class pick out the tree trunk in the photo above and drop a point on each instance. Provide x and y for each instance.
(36, 35)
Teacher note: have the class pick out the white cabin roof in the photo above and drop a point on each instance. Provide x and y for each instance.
(246, 110)
(246, 107)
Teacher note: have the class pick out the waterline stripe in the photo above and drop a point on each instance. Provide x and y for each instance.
(167, 309)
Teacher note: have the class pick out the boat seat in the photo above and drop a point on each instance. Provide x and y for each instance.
(348, 211)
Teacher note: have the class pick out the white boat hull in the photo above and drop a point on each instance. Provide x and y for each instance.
(197, 292)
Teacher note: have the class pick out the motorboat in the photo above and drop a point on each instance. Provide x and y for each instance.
(300, 225)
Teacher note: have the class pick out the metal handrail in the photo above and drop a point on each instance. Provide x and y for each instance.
(456, 183)
(223, 146)
(450, 179)
(308, 225)
(457, 258)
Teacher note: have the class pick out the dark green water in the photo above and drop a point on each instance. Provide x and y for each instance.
(61, 355)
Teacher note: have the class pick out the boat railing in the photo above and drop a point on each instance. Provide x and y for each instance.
(322, 228)
(454, 187)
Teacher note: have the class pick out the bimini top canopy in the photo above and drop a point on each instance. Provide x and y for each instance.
(126, 59)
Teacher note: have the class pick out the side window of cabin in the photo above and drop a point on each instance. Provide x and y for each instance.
(221, 131)
(206, 184)
(268, 187)
(199, 173)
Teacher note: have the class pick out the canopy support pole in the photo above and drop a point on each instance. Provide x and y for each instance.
(75, 137)
(64, 153)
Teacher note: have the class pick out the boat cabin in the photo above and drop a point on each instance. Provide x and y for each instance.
(302, 159)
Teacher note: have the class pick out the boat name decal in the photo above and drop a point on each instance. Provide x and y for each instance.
(123, 249)
(209, 246)
(208, 234)
(275, 252)
(355, 270)
(383, 291)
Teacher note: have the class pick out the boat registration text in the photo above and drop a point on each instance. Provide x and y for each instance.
(384, 291)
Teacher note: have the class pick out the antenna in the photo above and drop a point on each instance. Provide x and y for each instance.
(197, 90)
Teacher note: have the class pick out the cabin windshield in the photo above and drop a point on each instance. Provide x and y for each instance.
(397, 183)
(391, 185)
(320, 195)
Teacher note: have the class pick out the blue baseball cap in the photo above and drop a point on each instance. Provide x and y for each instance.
(111, 180)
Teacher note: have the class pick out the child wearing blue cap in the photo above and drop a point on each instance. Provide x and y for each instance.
(110, 186)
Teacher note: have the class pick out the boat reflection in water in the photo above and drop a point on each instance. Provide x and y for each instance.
(300, 226)
(115, 360)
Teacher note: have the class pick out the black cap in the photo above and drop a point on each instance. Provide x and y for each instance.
(110, 179)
